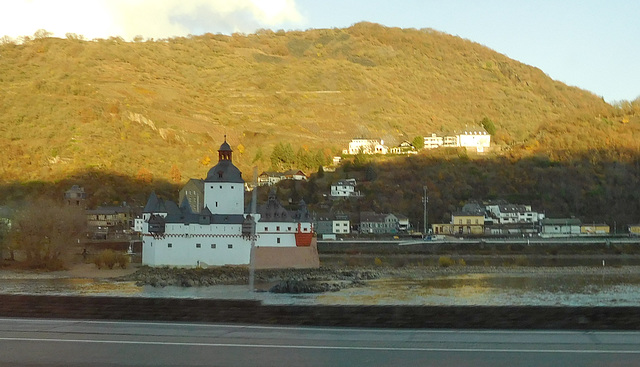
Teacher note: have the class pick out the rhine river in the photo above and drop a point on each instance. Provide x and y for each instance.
(591, 287)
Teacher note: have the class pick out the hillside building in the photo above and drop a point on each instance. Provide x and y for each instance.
(222, 233)
(344, 189)
(475, 138)
(366, 146)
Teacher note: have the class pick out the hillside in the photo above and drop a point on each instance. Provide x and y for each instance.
(160, 108)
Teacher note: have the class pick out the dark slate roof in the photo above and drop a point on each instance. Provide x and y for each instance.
(371, 217)
(185, 206)
(227, 219)
(109, 210)
(153, 204)
(561, 221)
(225, 147)
(224, 171)
(273, 211)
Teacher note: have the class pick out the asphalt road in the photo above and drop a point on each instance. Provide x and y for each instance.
(39, 342)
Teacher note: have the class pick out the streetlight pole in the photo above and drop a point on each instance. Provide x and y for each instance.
(425, 202)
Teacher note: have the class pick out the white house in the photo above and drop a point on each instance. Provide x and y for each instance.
(472, 138)
(477, 138)
(503, 213)
(344, 188)
(367, 146)
(221, 233)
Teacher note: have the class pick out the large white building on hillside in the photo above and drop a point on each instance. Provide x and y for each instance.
(221, 233)
(471, 138)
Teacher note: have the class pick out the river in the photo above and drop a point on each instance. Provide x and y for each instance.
(588, 288)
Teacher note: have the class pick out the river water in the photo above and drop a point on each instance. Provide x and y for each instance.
(555, 288)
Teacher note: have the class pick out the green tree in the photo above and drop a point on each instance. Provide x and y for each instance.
(418, 142)
(47, 233)
(488, 125)
(282, 156)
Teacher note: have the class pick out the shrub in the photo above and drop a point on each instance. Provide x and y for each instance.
(378, 261)
(445, 261)
(122, 260)
(107, 258)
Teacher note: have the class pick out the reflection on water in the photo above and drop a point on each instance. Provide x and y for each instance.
(498, 289)
(465, 289)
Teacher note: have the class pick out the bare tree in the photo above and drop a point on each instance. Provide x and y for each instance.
(41, 34)
(46, 232)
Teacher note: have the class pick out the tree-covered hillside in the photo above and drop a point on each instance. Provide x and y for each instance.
(151, 107)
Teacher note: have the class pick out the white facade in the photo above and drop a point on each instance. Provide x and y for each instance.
(477, 139)
(344, 188)
(221, 234)
(224, 198)
(509, 213)
(366, 146)
(341, 226)
(433, 141)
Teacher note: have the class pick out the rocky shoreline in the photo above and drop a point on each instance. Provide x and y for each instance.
(328, 279)
(286, 280)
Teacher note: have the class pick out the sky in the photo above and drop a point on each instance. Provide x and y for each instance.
(591, 44)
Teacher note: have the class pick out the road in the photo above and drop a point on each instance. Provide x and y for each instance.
(69, 343)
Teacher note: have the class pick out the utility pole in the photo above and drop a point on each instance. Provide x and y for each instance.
(425, 201)
(252, 253)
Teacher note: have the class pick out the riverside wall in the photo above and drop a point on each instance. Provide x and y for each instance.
(254, 312)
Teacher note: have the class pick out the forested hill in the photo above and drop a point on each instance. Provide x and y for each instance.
(160, 108)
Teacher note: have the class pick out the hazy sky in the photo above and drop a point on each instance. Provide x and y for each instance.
(592, 44)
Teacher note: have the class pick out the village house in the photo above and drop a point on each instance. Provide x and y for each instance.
(374, 223)
(469, 220)
(222, 233)
(75, 196)
(404, 148)
(270, 178)
(104, 221)
(560, 227)
(344, 189)
(475, 138)
(366, 146)
(332, 223)
(505, 213)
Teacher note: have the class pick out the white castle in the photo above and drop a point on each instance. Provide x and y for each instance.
(222, 233)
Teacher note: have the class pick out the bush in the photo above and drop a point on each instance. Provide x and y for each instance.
(445, 261)
(110, 258)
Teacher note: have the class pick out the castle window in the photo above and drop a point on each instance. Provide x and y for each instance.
(229, 246)
(278, 228)
(220, 186)
(198, 245)
(266, 228)
(213, 245)
(278, 240)
(289, 228)
(219, 174)
(169, 245)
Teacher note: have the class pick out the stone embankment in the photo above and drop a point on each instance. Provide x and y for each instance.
(254, 312)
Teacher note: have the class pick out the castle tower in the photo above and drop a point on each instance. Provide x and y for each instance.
(224, 186)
